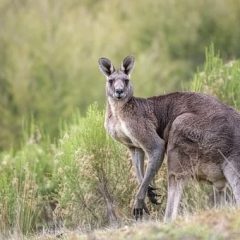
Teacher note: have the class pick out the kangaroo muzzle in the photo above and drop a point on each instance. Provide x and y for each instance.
(119, 89)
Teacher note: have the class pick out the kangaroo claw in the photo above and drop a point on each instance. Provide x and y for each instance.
(152, 195)
(139, 206)
(138, 213)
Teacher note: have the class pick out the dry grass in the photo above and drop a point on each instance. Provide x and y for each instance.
(212, 224)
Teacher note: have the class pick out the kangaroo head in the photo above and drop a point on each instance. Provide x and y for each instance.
(118, 85)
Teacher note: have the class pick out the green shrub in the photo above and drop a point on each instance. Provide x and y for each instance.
(94, 172)
(84, 180)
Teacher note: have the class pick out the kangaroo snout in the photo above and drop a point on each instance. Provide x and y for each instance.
(119, 89)
(119, 93)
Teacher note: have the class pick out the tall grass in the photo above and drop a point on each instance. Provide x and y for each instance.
(219, 79)
(83, 180)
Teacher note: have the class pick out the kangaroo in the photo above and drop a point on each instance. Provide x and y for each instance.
(199, 134)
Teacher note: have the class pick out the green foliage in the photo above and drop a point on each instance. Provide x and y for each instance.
(72, 183)
(219, 79)
(26, 181)
(49, 52)
(94, 175)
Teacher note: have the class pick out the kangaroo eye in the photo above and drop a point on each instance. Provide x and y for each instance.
(110, 81)
(126, 81)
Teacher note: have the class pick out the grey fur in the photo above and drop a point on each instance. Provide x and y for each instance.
(199, 134)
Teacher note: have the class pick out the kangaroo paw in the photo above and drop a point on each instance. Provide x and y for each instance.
(139, 206)
(152, 195)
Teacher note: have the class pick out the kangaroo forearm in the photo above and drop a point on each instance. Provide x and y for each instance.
(154, 164)
(138, 163)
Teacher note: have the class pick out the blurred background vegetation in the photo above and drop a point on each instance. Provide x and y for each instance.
(57, 165)
(49, 51)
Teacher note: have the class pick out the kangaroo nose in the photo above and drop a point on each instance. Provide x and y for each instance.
(119, 91)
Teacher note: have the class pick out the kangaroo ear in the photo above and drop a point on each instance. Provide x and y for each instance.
(127, 64)
(106, 66)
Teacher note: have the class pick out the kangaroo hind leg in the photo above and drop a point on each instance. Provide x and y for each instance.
(175, 189)
(231, 170)
(219, 190)
(178, 176)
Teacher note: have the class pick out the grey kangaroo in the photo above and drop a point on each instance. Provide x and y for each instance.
(199, 134)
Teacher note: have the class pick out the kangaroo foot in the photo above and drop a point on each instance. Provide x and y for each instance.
(152, 195)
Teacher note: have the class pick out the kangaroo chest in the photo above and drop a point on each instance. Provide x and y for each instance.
(120, 131)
